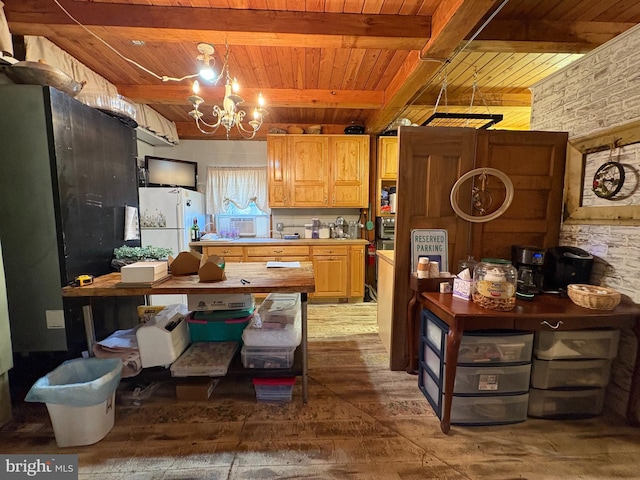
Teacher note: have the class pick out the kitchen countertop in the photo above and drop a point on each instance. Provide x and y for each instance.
(277, 241)
(388, 256)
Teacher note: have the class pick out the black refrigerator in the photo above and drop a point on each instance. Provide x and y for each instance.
(68, 172)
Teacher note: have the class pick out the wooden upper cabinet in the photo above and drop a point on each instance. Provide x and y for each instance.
(276, 167)
(318, 170)
(349, 171)
(309, 170)
(388, 158)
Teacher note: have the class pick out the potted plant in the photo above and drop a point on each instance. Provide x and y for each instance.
(125, 255)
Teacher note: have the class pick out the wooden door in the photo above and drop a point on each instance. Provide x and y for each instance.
(535, 162)
(429, 163)
(431, 159)
(308, 157)
(277, 170)
(349, 182)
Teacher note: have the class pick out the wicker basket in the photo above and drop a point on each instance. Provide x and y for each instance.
(314, 129)
(594, 297)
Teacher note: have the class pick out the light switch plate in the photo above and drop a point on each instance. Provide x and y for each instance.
(55, 319)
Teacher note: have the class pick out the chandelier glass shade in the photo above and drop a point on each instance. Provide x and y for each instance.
(229, 115)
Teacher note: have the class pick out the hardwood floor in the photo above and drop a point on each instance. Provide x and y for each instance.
(362, 422)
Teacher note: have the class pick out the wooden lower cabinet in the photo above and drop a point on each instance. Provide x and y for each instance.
(279, 253)
(230, 254)
(331, 270)
(356, 271)
(338, 269)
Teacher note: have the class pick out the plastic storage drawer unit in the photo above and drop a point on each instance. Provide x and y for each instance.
(576, 344)
(481, 346)
(267, 357)
(486, 379)
(489, 410)
(570, 373)
(582, 403)
(492, 380)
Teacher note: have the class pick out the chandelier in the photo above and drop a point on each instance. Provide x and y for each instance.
(229, 115)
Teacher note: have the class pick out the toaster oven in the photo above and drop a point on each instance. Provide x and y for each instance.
(385, 228)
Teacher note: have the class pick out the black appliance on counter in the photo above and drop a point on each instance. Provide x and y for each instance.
(385, 233)
(565, 265)
(529, 262)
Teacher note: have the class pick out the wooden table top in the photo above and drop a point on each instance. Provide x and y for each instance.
(260, 280)
(546, 306)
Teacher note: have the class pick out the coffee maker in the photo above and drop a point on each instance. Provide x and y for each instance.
(529, 262)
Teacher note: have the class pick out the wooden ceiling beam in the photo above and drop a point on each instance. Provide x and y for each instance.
(176, 94)
(272, 39)
(241, 26)
(451, 23)
(543, 36)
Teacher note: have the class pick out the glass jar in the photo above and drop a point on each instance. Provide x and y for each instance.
(469, 263)
(495, 281)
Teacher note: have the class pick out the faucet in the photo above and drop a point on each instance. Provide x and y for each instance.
(204, 228)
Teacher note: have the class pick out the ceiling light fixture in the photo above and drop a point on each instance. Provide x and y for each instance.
(228, 115)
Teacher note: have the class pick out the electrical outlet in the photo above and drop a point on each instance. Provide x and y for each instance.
(279, 226)
(55, 319)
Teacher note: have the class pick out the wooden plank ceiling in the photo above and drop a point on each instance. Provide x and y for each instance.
(331, 62)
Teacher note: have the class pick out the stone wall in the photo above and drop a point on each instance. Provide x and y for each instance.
(600, 91)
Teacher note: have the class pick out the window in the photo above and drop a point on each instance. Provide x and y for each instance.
(235, 190)
(238, 199)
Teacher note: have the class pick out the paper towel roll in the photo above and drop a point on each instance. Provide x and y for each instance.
(131, 226)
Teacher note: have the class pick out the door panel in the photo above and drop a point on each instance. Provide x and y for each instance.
(429, 163)
(534, 161)
(309, 171)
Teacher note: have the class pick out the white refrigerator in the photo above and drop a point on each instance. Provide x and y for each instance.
(166, 217)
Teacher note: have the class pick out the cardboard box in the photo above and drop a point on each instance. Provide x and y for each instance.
(190, 263)
(147, 312)
(212, 269)
(186, 263)
(462, 288)
(194, 389)
(232, 301)
(142, 272)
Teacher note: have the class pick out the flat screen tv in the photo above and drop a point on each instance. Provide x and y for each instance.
(168, 172)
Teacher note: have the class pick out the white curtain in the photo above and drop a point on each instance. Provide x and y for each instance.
(237, 185)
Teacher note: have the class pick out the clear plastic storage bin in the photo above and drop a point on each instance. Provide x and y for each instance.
(566, 403)
(267, 357)
(570, 373)
(274, 389)
(278, 322)
(576, 344)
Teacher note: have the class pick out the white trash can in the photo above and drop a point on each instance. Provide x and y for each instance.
(80, 398)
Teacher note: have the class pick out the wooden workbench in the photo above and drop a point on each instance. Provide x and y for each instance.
(239, 278)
